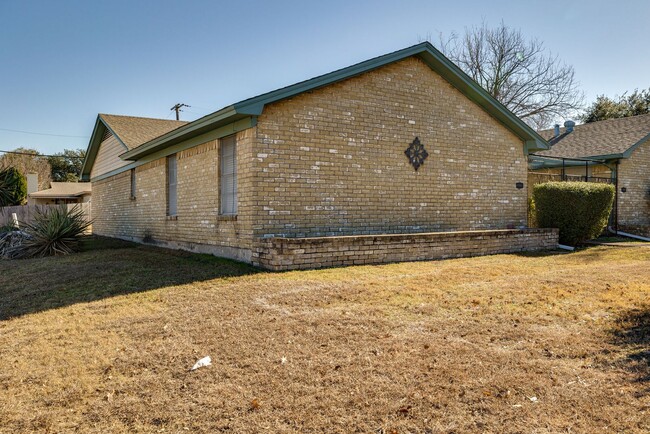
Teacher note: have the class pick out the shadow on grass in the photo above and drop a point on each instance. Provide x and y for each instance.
(541, 253)
(632, 334)
(104, 268)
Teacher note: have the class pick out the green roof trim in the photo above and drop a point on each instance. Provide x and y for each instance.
(436, 61)
(222, 118)
(93, 148)
(543, 162)
(213, 134)
(603, 157)
(536, 162)
(548, 164)
(428, 53)
(254, 106)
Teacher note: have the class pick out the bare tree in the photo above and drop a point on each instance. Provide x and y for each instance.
(521, 74)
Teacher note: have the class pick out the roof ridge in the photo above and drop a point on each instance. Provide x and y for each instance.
(143, 117)
(610, 120)
(245, 112)
(316, 77)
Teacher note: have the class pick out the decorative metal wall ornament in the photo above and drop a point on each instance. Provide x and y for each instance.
(416, 153)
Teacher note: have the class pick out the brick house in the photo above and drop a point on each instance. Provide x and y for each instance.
(401, 157)
(617, 150)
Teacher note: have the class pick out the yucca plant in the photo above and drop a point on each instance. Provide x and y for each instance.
(54, 232)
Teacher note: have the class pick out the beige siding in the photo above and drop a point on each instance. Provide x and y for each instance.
(108, 157)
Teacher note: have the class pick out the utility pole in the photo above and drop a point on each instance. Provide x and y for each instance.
(177, 108)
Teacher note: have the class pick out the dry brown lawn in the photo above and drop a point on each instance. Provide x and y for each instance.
(102, 341)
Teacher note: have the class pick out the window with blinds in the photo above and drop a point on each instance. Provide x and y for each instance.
(171, 185)
(228, 175)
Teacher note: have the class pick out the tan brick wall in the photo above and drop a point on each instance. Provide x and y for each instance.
(634, 175)
(303, 253)
(198, 221)
(332, 161)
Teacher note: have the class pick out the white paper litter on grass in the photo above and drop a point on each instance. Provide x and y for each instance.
(206, 361)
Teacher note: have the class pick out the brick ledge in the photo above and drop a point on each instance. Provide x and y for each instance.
(281, 253)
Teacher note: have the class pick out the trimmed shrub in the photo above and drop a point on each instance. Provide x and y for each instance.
(579, 209)
(13, 187)
(54, 232)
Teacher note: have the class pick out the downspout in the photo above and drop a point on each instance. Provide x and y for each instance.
(616, 198)
(625, 234)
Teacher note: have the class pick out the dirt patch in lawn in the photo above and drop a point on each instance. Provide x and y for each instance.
(508, 343)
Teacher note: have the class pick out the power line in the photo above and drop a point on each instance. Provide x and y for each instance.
(39, 155)
(207, 110)
(42, 134)
(195, 113)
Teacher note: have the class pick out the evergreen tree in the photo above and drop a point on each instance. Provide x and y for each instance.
(13, 187)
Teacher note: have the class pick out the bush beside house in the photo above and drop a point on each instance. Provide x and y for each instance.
(13, 187)
(579, 209)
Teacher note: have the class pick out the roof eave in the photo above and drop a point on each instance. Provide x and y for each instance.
(58, 196)
(603, 157)
(467, 86)
(631, 149)
(425, 51)
(436, 61)
(550, 161)
(93, 147)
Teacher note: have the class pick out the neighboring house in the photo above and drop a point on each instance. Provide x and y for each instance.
(377, 162)
(62, 193)
(615, 149)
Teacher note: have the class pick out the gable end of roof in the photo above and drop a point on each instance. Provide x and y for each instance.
(435, 60)
(252, 107)
(130, 132)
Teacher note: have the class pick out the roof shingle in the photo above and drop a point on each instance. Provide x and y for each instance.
(64, 189)
(608, 137)
(134, 131)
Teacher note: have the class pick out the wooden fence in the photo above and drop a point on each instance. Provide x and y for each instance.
(26, 213)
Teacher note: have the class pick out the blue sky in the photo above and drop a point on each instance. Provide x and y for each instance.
(63, 62)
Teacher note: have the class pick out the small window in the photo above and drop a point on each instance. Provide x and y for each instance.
(133, 188)
(228, 175)
(171, 185)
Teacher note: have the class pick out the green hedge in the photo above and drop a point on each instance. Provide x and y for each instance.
(13, 187)
(579, 209)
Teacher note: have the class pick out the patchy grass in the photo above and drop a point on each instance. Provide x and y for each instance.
(102, 341)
